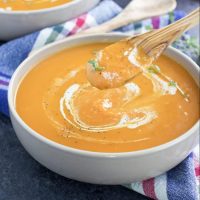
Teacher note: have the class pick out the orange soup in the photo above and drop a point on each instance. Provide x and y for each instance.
(21, 5)
(56, 100)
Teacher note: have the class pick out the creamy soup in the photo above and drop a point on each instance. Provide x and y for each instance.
(30, 4)
(56, 100)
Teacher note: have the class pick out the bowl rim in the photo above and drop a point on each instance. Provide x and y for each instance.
(51, 143)
(41, 11)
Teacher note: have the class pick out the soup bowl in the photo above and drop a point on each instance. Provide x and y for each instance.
(17, 23)
(97, 167)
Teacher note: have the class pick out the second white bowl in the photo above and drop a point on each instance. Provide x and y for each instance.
(17, 23)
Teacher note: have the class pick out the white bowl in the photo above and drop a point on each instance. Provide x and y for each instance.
(17, 23)
(96, 167)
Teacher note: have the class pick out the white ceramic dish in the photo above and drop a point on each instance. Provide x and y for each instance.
(92, 167)
(17, 23)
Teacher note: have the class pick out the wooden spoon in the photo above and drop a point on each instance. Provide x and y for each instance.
(122, 61)
(136, 10)
(157, 41)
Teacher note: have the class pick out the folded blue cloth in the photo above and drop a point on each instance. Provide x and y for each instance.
(177, 184)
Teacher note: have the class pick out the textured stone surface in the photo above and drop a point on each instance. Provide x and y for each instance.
(22, 178)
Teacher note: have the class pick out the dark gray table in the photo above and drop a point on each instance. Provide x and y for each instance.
(22, 178)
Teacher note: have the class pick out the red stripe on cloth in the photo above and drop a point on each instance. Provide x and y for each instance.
(148, 187)
(196, 166)
(4, 83)
(197, 171)
(156, 22)
(80, 22)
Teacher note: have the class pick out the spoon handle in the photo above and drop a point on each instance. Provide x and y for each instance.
(136, 10)
(158, 41)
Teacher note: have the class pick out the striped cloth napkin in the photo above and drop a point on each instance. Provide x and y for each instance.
(179, 183)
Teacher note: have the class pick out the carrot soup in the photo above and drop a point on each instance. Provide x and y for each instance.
(57, 101)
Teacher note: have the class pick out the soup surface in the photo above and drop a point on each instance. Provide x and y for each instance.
(17, 5)
(56, 100)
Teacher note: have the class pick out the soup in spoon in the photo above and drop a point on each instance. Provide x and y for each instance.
(115, 65)
(122, 61)
(56, 100)
(21, 5)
